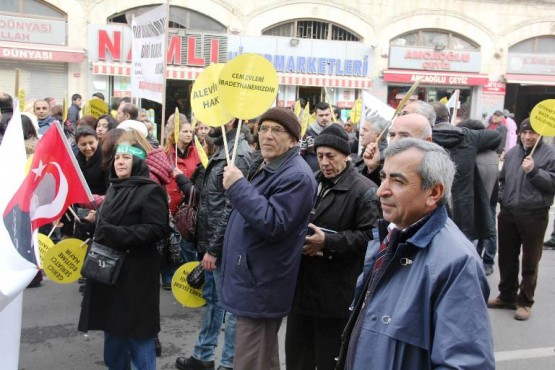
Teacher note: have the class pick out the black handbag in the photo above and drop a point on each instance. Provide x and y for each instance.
(170, 248)
(196, 277)
(103, 264)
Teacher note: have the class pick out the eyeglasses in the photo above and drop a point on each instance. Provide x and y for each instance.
(275, 130)
(402, 113)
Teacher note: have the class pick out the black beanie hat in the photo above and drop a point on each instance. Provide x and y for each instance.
(333, 136)
(526, 125)
(284, 117)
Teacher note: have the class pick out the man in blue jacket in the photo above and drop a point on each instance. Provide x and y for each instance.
(264, 238)
(423, 303)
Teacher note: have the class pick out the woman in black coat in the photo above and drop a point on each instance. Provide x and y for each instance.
(133, 217)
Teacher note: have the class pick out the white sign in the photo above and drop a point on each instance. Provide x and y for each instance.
(32, 30)
(149, 52)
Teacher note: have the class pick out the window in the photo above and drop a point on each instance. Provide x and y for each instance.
(30, 7)
(180, 18)
(437, 39)
(311, 29)
(537, 45)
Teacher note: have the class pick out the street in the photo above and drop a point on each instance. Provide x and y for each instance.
(50, 340)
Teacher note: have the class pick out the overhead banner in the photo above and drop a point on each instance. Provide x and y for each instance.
(149, 50)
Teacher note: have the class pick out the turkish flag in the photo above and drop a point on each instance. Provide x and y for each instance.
(53, 183)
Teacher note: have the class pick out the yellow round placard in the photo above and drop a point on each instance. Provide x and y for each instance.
(96, 108)
(205, 98)
(182, 291)
(248, 85)
(62, 263)
(45, 244)
(542, 117)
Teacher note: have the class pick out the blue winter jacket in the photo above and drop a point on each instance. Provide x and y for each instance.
(428, 311)
(264, 237)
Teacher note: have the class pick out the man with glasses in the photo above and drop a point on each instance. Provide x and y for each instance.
(41, 109)
(264, 238)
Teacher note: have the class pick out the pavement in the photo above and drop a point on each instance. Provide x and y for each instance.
(50, 340)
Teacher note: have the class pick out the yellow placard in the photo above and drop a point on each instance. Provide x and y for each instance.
(356, 112)
(201, 153)
(63, 262)
(305, 120)
(176, 126)
(45, 244)
(542, 117)
(21, 97)
(182, 291)
(96, 108)
(248, 86)
(206, 100)
(298, 108)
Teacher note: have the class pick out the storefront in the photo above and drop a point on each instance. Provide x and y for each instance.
(440, 72)
(310, 69)
(37, 48)
(304, 67)
(188, 54)
(530, 75)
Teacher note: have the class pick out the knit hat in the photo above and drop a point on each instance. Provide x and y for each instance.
(284, 117)
(333, 136)
(526, 125)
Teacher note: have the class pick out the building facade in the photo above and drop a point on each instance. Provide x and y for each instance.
(499, 54)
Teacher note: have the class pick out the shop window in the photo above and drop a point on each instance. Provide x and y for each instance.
(180, 18)
(437, 39)
(536, 45)
(311, 29)
(30, 7)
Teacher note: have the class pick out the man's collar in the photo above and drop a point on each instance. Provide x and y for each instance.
(431, 227)
(275, 164)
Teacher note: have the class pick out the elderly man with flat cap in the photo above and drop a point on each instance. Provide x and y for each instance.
(264, 239)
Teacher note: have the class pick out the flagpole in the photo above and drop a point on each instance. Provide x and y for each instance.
(17, 84)
(165, 70)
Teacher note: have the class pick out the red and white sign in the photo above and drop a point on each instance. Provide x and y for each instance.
(494, 88)
(42, 55)
(436, 78)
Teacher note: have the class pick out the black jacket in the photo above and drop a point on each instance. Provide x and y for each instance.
(133, 218)
(326, 284)
(213, 207)
(470, 202)
(527, 193)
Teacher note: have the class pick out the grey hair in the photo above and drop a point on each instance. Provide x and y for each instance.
(378, 123)
(436, 166)
(426, 110)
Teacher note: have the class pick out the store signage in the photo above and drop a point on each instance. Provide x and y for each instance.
(537, 64)
(494, 88)
(307, 56)
(450, 79)
(41, 55)
(113, 43)
(430, 59)
(32, 30)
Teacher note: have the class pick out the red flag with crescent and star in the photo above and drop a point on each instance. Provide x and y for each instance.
(53, 183)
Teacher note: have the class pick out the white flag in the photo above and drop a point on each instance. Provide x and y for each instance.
(453, 100)
(149, 54)
(15, 271)
(372, 106)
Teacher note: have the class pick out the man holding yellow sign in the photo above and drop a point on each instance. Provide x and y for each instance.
(526, 190)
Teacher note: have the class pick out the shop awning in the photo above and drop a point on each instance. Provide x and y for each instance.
(191, 73)
(41, 53)
(435, 78)
(524, 79)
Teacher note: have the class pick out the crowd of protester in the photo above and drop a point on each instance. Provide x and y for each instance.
(374, 241)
